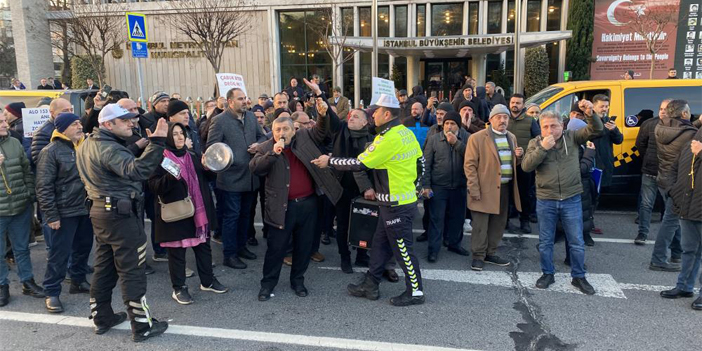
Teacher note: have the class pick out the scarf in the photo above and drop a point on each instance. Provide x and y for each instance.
(358, 138)
(188, 173)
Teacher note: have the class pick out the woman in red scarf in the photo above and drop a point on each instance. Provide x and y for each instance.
(193, 232)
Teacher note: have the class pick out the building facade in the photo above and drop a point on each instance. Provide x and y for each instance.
(433, 43)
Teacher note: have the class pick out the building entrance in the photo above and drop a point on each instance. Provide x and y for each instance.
(444, 76)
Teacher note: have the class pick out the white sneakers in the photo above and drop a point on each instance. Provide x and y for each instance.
(467, 227)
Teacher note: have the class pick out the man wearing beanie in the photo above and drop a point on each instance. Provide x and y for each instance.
(441, 111)
(179, 112)
(13, 113)
(469, 120)
(66, 215)
(159, 108)
(491, 160)
(445, 183)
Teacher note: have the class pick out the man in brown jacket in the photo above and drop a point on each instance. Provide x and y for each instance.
(490, 165)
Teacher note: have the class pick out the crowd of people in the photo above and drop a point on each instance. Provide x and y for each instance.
(306, 156)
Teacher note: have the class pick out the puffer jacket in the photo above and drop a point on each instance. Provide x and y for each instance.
(60, 192)
(18, 126)
(672, 136)
(41, 138)
(646, 144)
(557, 169)
(444, 162)
(108, 168)
(524, 128)
(17, 187)
(686, 197)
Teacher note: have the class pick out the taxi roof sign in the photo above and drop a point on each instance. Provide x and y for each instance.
(136, 27)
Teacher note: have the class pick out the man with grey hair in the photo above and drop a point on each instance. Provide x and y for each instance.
(672, 135)
(555, 158)
(493, 97)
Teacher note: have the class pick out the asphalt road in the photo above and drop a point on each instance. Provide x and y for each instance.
(497, 309)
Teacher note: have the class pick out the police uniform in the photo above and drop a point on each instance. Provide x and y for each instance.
(398, 164)
(113, 179)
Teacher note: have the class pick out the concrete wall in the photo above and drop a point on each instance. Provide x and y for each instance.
(194, 77)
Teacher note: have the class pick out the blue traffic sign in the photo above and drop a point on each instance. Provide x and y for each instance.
(140, 50)
(136, 27)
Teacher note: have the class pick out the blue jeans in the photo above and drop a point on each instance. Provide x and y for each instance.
(668, 234)
(691, 255)
(647, 200)
(17, 228)
(236, 209)
(570, 212)
(73, 239)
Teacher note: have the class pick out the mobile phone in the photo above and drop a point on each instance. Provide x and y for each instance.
(106, 90)
(433, 94)
(171, 167)
(612, 119)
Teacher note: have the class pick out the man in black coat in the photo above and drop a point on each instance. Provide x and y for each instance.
(292, 183)
(66, 215)
(646, 145)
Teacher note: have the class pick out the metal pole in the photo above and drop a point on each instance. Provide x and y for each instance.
(141, 84)
(517, 52)
(374, 26)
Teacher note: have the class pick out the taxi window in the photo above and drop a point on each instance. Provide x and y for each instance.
(562, 106)
(638, 99)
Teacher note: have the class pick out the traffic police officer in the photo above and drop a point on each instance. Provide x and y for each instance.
(397, 159)
(113, 179)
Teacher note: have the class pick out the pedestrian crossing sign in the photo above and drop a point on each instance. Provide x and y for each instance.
(136, 27)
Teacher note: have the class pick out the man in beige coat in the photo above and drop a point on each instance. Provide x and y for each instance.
(490, 165)
(341, 103)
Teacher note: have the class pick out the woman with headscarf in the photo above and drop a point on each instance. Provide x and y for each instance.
(194, 232)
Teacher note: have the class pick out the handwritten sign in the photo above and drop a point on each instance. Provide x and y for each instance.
(227, 81)
(382, 86)
(33, 119)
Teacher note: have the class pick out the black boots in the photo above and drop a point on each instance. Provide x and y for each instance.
(143, 325)
(4, 295)
(368, 288)
(53, 304)
(82, 288)
(406, 299)
(32, 289)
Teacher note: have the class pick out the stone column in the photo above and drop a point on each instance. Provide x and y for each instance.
(30, 29)
(477, 68)
(412, 72)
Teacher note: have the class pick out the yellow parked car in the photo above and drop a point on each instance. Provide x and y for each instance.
(628, 98)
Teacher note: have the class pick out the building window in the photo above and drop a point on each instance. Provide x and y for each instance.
(421, 20)
(510, 16)
(364, 22)
(494, 17)
(533, 16)
(365, 77)
(553, 57)
(447, 19)
(348, 78)
(301, 50)
(473, 17)
(492, 63)
(383, 21)
(401, 21)
(401, 64)
(347, 21)
(553, 15)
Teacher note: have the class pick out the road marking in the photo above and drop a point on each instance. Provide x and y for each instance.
(234, 334)
(534, 236)
(604, 284)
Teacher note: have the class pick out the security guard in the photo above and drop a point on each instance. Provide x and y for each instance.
(397, 159)
(113, 179)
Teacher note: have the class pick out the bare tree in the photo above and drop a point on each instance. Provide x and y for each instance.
(212, 24)
(91, 31)
(653, 23)
(61, 40)
(333, 30)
